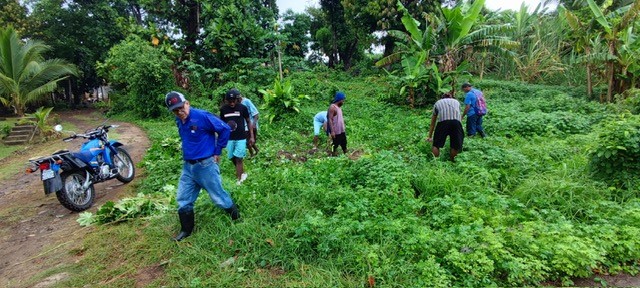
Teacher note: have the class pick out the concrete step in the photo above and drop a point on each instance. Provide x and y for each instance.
(14, 142)
(21, 132)
(18, 137)
(22, 128)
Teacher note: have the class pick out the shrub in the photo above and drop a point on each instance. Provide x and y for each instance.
(615, 157)
(630, 101)
(281, 100)
(5, 129)
(143, 74)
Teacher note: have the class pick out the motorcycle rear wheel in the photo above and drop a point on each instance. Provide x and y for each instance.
(126, 169)
(72, 196)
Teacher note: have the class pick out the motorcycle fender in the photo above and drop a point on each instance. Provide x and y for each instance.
(52, 185)
(115, 144)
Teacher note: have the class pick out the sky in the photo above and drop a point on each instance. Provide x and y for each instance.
(299, 5)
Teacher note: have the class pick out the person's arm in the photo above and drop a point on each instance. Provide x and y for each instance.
(466, 109)
(332, 112)
(224, 131)
(467, 102)
(432, 126)
(245, 114)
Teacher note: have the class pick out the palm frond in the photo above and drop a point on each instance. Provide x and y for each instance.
(393, 58)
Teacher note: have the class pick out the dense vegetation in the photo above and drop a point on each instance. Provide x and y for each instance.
(518, 208)
(551, 194)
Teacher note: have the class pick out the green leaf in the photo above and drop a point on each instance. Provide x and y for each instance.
(599, 16)
(86, 219)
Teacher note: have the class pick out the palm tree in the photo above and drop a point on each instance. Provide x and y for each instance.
(25, 76)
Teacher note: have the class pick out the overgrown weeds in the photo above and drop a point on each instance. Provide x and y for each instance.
(517, 208)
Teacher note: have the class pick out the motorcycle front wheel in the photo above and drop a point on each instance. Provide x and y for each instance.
(72, 196)
(124, 164)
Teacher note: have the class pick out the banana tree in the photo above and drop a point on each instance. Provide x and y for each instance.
(412, 42)
(581, 42)
(415, 73)
(629, 53)
(412, 53)
(460, 34)
(281, 100)
(612, 24)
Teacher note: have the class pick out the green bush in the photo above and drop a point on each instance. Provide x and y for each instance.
(281, 100)
(630, 101)
(5, 129)
(318, 88)
(615, 157)
(143, 74)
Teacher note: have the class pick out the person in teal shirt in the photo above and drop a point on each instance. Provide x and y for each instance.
(254, 115)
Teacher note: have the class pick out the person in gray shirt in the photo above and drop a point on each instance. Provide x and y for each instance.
(446, 112)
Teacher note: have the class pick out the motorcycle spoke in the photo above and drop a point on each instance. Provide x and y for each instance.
(75, 192)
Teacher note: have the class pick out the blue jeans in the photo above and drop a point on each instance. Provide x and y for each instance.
(474, 125)
(204, 174)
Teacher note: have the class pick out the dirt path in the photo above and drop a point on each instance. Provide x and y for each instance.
(36, 232)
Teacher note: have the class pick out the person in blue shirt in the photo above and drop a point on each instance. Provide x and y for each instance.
(319, 121)
(474, 121)
(254, 115)
(203, 137)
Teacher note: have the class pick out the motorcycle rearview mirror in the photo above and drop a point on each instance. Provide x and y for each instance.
(58, 128)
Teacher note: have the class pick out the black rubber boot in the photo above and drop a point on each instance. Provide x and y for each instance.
(187, 220)
(233, 212)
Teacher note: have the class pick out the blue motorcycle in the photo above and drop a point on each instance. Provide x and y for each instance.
(71, 175)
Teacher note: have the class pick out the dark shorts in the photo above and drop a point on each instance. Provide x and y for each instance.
(340, 140)
(451, 128)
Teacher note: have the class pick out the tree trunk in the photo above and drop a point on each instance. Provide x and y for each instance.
(624, 80)
(192, 25)
(70, 94)
(481, 69)
(411, 97)
(589, 83)
(610, 71)
(389, 45)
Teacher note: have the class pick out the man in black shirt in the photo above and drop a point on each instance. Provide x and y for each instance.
(236, 115)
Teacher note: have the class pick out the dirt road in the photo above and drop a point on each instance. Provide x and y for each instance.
(36, 232)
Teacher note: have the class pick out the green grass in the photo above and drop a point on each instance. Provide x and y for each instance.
(6, 150)
(513, 210)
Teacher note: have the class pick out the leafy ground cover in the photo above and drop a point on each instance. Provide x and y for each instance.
(518, 208)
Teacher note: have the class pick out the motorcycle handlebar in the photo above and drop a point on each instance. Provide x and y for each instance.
(92, 133)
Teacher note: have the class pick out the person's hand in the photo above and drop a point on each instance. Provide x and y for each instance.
(333, 135)
(251, 141)
(429, 139)
(216, 158)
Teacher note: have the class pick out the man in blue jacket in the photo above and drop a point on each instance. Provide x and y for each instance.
(203, 137)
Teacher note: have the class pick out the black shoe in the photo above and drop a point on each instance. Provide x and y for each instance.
(187, 220)
(233, 212)
(482, 134)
